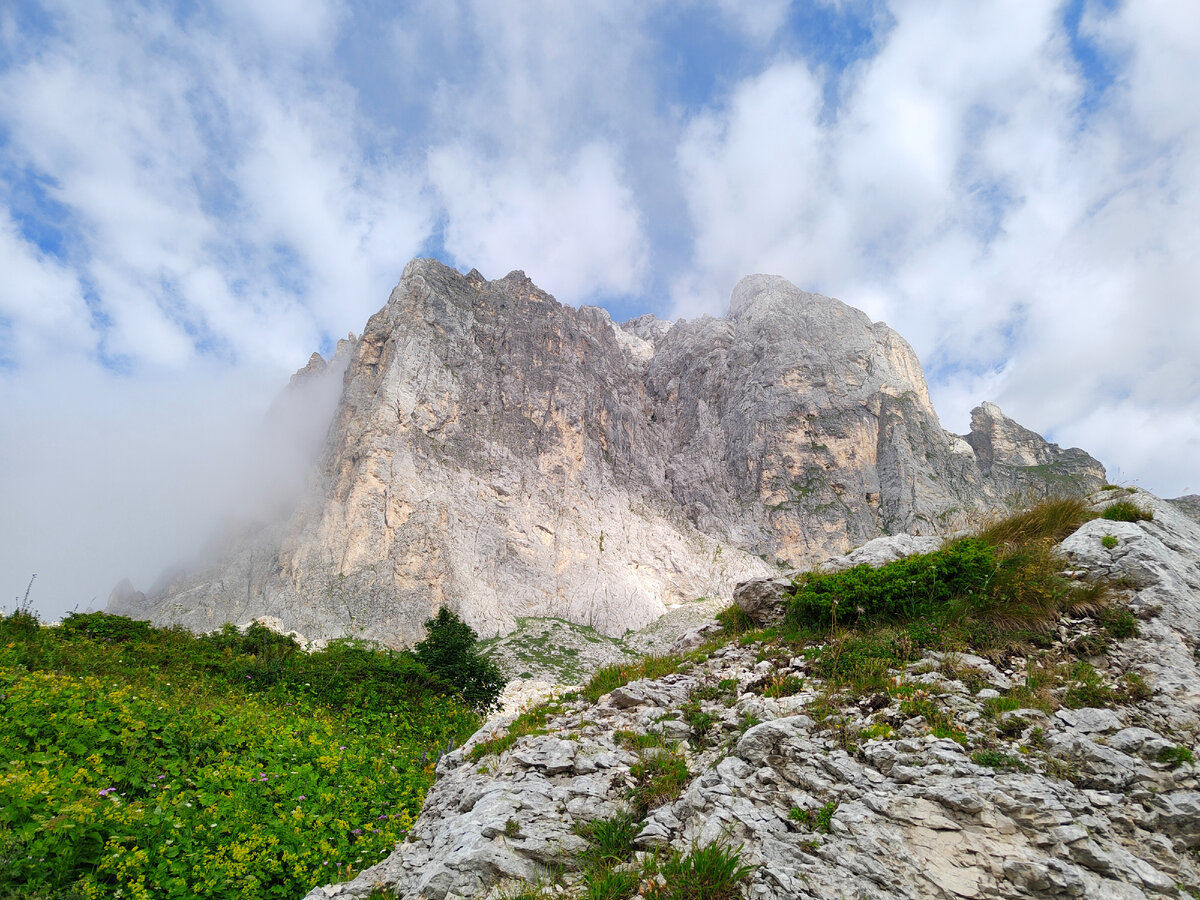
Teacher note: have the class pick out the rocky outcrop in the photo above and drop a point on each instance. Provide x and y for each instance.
(497, 452)
(1083, 802)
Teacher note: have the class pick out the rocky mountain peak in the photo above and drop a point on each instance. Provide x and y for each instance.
(495, 451)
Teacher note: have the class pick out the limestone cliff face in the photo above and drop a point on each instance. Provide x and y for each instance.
(506, 455)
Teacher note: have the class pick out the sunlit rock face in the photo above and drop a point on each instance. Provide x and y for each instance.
(508, 456)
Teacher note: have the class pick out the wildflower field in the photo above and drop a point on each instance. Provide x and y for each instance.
(143, 763)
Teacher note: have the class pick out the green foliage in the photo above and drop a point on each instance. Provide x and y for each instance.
(531, 721)
(104, 627)
(821, 820)
(661, 775)
(1046, 522)
(609, 678)
(734, 621)
(450, 651)
(610, 841)
(149, 762)
(706, 873)
(1175, 756)
(938, 719)
(900, 591)
(994, 759)
(1108, 542)
(1004, 580)
(1118, 623)
(1126, 511)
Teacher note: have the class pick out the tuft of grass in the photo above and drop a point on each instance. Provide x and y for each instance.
(1108, 542)
(1175, 756)
(734, 621)
(1126, 511)
(1051, 520)
(532, 721)
(610, 841)
(994, 759)
(706, 873)
(661, 777)
(610, 678)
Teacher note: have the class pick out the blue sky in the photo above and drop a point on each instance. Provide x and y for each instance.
(195, 196)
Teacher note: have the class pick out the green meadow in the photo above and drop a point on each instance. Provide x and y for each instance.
(139, 762)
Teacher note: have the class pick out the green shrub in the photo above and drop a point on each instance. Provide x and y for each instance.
(1126, 511)
(904, 590)
(1108, 542)
(99, 626)
(450, 652)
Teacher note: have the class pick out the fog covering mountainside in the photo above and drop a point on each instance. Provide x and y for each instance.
(507, 456)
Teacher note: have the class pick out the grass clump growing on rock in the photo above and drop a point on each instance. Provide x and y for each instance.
(712, 872)
(1126, 511)
(610, 678)
(1007, 575)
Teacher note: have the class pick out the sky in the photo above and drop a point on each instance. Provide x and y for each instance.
(195, 196)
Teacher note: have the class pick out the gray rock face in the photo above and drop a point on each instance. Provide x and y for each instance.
(1084, 805)
(497, 452)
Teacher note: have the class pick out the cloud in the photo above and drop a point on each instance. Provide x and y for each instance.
(576, 232)
(1020, 235)
(200, 195)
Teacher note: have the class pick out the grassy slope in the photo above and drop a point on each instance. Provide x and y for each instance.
(152, 763)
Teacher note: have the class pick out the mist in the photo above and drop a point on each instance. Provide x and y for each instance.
(107, 477)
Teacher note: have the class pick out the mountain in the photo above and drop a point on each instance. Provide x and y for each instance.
(498, 452)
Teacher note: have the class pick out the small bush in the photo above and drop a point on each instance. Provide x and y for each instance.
(450, 652)
(904, 590)
(1126, 511)
(99, 626)
(1108, 542)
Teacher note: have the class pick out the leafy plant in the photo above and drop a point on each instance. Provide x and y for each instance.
(152, 760)
(450, 651)
(1108, 542)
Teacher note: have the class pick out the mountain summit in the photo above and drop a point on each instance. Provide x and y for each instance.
(497, 452)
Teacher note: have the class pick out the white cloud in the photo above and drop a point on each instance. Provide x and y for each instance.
(963, 194)
(575, 232)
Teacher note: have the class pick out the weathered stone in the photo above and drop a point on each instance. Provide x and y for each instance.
(499, 453)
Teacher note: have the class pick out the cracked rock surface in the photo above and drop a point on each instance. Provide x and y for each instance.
(497, 452)
(1083, 804)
